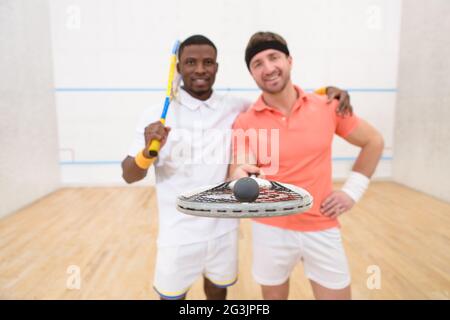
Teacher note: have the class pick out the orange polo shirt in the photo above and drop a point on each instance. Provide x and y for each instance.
(305, 141)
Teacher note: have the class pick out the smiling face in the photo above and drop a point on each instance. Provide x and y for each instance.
(198, 67)
(271, 70)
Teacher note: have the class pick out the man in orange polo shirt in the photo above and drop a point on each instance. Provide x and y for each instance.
(301, 156)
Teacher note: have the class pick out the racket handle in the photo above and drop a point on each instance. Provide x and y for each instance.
(153, 150)
(155, 145)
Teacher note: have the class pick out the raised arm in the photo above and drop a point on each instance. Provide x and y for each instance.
(135, 168)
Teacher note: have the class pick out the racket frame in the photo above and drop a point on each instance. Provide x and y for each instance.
(245, 209)
(155, 145)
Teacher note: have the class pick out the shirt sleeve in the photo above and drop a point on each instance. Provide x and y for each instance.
(138, 143)
(344, 124)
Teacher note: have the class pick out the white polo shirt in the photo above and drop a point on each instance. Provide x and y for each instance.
(196, 154)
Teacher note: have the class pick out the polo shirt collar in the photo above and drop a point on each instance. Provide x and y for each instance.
(185, 99)
(261, 105)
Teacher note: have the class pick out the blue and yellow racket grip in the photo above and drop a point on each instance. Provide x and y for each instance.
(155, 145)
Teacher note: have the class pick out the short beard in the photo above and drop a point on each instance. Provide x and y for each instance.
(277, 90)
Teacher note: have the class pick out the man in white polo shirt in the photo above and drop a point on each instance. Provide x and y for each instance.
(196, 154)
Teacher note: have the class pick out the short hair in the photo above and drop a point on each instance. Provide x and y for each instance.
(196, 39)
(260, 40)
(264, 36)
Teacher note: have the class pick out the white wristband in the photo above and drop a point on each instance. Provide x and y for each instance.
(356, 185)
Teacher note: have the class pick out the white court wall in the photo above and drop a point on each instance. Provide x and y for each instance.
(29, 167)
(111, 61)
(422, 136)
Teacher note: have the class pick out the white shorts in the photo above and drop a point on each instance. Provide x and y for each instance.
(276, 252)
(178, 267)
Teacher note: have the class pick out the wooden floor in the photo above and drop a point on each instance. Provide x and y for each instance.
(110, 234)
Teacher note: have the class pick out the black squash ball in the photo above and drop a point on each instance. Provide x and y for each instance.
(246, 190)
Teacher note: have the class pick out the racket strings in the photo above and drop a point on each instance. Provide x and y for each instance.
(175, 86)
(224, 194)
(277, 192)
(219, 194)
